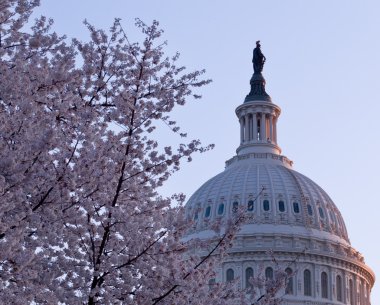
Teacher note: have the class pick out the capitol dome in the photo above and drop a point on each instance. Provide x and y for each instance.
(292, 216)
(289, 202)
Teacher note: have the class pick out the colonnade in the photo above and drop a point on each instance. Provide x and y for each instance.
(258, 128)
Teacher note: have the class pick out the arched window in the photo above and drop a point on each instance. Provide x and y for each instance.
(230, 275)
(339, 295)
(269, 273)
(235, 207)
(281, 206)
(266, 206)
(289, 284)
(248, 276)
(296, 207)
(309, 210)
(208, 212)
(321, 212)
(221, 209)
(351, 288)
(324, 285)
(307, 282)
(251, 205)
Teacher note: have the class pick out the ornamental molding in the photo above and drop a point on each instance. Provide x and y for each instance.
(257, 107)
(268, 156)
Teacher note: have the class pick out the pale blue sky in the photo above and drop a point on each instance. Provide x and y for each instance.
(323, 67)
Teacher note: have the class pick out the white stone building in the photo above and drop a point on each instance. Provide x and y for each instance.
(293, 216)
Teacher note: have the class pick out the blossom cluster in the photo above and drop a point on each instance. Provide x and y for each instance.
(81, 220)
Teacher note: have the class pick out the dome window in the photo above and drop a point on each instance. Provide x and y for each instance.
(321, 212)
(208, 212)
(281, 206)
(235, 207)
(196, 216)
(309, 210)
(339, 294)
(351, 292)
(307, 283)
(248, 276)
(251, 205)
(324, 285)
(296, 207)
(230, 275)
(289, 284)
(269, 273)
(266, 206)
(221, 209)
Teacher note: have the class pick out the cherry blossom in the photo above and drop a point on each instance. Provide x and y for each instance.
(81, 219)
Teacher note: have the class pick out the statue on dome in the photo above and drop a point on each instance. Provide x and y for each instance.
(258, 59)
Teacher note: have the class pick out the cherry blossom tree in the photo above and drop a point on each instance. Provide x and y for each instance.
(81, 220)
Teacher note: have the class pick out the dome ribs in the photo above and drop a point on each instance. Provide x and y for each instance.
(245, 194)
(282, 181)
(271, 189)
(269, 216)
(303, 200)
(230, 193)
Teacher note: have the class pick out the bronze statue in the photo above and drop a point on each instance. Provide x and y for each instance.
(257, 81)
(258, 59)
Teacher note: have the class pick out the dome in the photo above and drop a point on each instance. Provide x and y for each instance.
(288, 202)
(291, 216)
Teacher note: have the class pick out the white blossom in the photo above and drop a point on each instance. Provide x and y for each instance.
(81, 221)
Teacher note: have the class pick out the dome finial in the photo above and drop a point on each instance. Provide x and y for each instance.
(257, 82)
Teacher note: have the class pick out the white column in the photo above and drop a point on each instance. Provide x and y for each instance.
(344, 287)
(254, 119)
(250, 127)
(263, 133)
(241, 130)
(246, 130)
(271, 128)
(355, 290)
(275, 130)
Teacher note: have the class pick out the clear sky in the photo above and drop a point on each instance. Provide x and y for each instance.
(322, 69)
